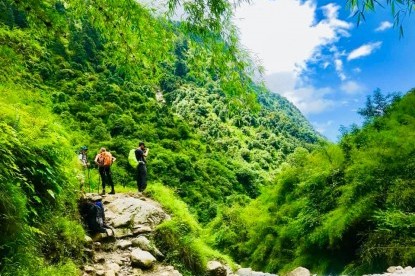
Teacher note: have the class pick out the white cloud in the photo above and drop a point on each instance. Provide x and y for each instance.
(364, 50)
(384, 26)
(307, 98)
(323, 127)
(333, 57)
(352, 87)
(357, 70)
(310, 100)
(284, 33)
(282, 81)
(339, 69)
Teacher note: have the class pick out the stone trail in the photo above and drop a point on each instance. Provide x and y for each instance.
(128, 249)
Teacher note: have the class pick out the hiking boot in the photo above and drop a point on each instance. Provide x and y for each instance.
(112, 192)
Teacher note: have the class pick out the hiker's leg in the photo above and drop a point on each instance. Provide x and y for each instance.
(138, 178)
(103, 178)
(142, 177)
(110, 181)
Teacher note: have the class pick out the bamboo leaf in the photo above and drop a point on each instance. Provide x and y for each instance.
(51, 193)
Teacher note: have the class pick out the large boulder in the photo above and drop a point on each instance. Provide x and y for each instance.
(215, 268)
(123, 244)
(299, 271)
(142, 259)
(249, 272)
(133, 213)
(120, 233)
(88, 241)
(99, 237)
(143, 243)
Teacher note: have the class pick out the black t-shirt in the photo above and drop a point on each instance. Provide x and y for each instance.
(139, 155)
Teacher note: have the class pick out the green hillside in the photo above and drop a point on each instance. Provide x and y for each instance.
(345, 208)
(109, 73)
(216, 132)
(240, 169)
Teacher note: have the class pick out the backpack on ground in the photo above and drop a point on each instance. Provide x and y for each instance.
(95, 218)
(99, 215)
(104, 159)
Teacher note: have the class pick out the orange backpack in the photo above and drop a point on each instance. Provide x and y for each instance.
(105, 159)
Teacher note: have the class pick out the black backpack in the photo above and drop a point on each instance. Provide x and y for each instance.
(95, 219)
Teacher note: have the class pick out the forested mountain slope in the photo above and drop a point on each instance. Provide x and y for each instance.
(109, 73)
(103, 63)
(246, 162)
(340, 209)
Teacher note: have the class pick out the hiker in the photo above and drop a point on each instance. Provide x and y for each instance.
(104, 160)
(93, 213)
(83, 159)
(140, 154)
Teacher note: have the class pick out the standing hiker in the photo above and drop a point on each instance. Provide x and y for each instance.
(140, 154)
(104, 160)
(83, 159)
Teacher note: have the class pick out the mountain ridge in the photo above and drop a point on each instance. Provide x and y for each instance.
(92, 71)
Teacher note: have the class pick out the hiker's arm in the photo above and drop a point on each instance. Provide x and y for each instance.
(96, 159)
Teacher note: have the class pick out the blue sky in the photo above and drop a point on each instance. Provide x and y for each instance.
(316, 56)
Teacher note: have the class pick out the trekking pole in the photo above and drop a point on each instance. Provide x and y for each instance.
(99, 182)
(89, 179)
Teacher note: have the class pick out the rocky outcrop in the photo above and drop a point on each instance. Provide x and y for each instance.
(142, 259)
(299, 271)
(397, 270)
(145, 244)
(215, 268)
(126, 249)
(133, 213)
(249, 272)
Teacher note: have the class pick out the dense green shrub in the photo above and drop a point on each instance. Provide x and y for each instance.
(38, 203)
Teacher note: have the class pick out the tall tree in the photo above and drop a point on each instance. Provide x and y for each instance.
(376, 104)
